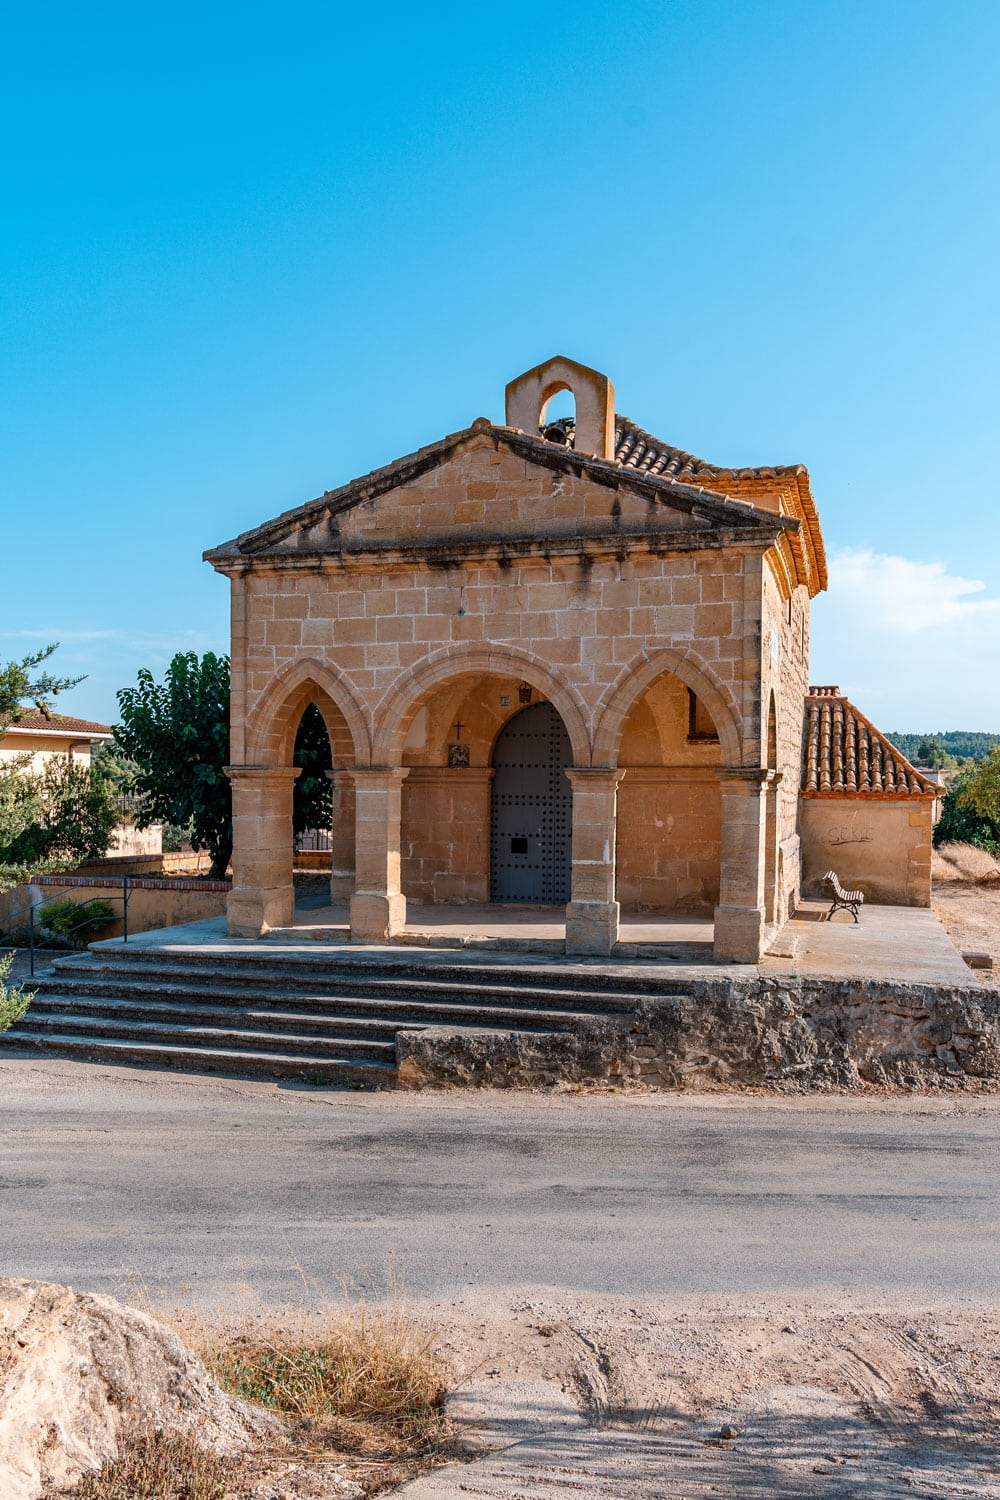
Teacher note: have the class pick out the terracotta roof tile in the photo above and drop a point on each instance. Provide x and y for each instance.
(31, 718)
(638, 449)
(844, 755)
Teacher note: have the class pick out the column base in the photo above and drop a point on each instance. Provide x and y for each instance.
(592, 927)
(251, 913)
(375, 918)
(739, 935)
(341, 887)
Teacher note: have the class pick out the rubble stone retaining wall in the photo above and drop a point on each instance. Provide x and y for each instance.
(787, 1034)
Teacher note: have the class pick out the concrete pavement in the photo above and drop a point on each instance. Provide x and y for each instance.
(205, 1187)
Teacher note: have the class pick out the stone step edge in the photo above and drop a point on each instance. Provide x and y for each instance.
(149, 982)
(252, 1040)
(156, 1052)
(444, 1015)
(600, 973)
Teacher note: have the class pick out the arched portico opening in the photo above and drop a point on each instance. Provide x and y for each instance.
(669, 802)
(453, 732)
(264, 798)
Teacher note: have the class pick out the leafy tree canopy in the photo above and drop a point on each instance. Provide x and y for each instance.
(177, 734)
(963, 744)
(970, 809)
(312, 802)
(21, 683)
(113, 766)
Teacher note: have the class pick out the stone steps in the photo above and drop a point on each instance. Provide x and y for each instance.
(387, 997)
(335, 966)
(324, 1017)
(355, 1016)
(369, 1074)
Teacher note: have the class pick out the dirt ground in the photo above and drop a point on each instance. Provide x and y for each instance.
(902, 1395)
(725, 1393)
(912, 1371)
(966, 899)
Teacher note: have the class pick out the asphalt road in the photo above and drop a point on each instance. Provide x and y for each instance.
(203, 1188)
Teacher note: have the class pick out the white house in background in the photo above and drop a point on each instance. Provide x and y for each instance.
(31, 733)
(41, 737)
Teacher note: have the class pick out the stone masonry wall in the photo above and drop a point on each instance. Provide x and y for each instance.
(785, 672)
(777, 1033)
(587, 620)
(879, 845)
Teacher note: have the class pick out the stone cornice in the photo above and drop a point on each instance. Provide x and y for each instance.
(444, 552)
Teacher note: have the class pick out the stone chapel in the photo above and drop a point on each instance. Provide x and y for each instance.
(559, 662)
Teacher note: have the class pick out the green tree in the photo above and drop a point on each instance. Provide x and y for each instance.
(931, 752)
(961, 821)
(177, 733)
(113, 766)
(312, 799)
(981, 794)
(21, 682)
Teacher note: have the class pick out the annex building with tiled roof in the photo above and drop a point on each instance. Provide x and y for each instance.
(560, 663)
(43, 736)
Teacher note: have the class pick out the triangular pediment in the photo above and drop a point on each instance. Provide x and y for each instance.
(492, 485)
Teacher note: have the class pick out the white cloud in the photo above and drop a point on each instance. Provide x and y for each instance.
(907, 596)
(915, 646)
(64, 635)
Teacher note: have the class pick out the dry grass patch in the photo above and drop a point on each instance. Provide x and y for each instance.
(358, 1396)
(965, 863)
(966, 899)
(358, 1387)
(153, 1465)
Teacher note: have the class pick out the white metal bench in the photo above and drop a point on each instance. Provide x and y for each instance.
(842, 900)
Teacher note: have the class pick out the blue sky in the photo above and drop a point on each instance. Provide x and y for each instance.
(250, 252)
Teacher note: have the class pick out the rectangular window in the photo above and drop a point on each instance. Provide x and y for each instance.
(701, 725)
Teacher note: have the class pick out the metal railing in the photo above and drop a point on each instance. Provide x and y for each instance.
(37, 906)
(313, 841)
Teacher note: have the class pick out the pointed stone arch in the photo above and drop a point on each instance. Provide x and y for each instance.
(273, 723)
(396, 710)
(695, 673)
(773, 739)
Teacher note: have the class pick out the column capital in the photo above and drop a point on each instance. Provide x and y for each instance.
(378, 776)
(598, 777)
(460, 775)
(743, 778)
(339, 775)
(262, 774)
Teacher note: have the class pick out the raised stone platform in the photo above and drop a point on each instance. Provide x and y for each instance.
(834, 1005)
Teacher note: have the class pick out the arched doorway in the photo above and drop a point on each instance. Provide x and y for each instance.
(531, 809)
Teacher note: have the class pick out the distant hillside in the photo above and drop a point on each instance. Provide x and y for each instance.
(959, 743)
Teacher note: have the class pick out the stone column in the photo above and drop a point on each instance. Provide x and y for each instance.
(342, 836)
(592, 914)
(263, 895)
(378, 907)
(739, 916)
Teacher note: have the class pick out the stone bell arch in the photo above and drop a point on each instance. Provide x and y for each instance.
(528, 396)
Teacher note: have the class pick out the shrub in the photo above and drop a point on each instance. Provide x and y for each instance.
(62, 814)
(14, 998)
(78, 921)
